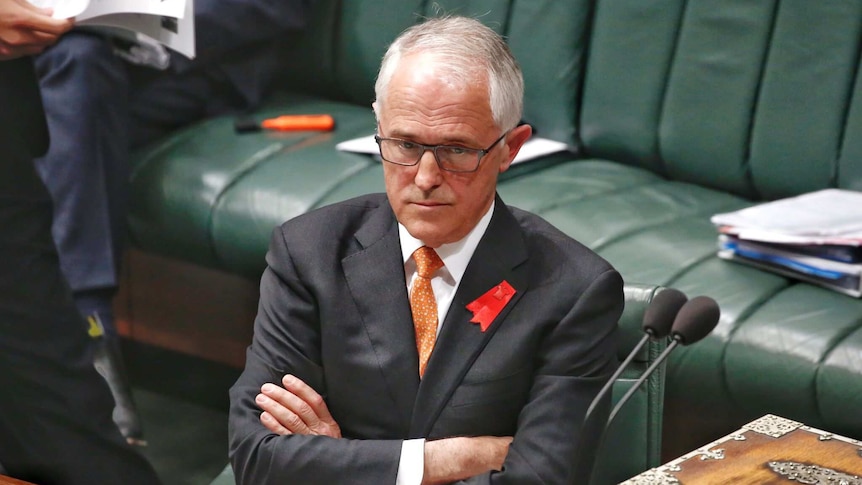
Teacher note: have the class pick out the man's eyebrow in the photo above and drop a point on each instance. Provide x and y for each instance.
(399, 134)
(457, 141)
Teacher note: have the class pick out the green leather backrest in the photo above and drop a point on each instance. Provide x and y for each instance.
(338, 55)
(849, 166)
(633, 442)
(758, 98)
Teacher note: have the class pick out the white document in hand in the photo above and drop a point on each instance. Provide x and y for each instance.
(534, 147)
(169, 22)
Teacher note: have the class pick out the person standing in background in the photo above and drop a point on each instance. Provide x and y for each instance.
(55, 409)
(103, 98)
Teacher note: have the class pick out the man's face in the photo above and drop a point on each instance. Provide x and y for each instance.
(422, 106)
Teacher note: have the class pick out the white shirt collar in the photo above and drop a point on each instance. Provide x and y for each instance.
(455, 255)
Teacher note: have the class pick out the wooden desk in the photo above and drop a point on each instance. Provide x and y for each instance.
(769, 450)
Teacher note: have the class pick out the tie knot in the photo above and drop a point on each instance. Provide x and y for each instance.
(427, 261)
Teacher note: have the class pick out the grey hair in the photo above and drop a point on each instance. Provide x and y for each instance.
(471, 52)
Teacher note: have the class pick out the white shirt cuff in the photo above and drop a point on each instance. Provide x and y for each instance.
(411, 466)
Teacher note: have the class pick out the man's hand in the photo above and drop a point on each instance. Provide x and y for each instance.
(26, 29)
(295, 409)
(452, 459)
(299, 409)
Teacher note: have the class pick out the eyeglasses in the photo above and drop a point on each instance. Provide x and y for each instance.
(449, 158)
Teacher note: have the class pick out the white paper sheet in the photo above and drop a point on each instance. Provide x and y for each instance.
(829, 213)
(63, 9)
(182, 41)
(87, 9)
(169, 22)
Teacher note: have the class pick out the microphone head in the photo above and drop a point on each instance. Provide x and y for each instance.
(661, 312)
(695, 320)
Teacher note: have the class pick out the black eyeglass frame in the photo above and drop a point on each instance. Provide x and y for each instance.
(480, 152)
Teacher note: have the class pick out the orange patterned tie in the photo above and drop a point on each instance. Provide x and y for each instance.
(423, 304)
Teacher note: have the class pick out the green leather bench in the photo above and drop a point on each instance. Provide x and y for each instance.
(674, 110)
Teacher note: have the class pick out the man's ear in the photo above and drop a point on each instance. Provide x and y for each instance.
(514, 141)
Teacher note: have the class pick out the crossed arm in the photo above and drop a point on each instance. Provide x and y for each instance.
(298, 409)
(292, 434)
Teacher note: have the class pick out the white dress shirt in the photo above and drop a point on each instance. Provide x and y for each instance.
(456, 256)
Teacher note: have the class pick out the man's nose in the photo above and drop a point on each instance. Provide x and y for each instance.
(428, 173)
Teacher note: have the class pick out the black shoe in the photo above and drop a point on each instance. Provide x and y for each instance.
(108, 361)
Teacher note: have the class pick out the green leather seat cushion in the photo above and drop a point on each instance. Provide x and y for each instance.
(837, 379)
(211, 196)
(774, 332)
(796, 350)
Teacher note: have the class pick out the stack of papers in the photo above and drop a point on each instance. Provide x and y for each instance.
(814, 237)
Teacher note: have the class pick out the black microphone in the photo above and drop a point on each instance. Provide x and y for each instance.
(695, 320)
(657, 321)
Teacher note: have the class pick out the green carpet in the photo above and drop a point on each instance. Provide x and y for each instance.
(183, 404)
(187, 442)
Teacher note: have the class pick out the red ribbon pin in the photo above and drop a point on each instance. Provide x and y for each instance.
(486, 308)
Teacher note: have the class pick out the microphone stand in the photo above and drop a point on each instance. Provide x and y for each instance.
(617, 373)
(633, 389)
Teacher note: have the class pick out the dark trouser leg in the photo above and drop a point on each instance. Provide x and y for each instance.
(85, 89)
(85, 92)
(55, 410)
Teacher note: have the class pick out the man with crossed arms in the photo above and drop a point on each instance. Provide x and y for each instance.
(354, 376)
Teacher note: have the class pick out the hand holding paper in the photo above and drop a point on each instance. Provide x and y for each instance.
(169, 22)
(27, 30)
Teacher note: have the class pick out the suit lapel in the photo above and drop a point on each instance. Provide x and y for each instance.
(498, 257)
(375, 276)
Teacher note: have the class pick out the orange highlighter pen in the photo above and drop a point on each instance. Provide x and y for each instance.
(315, 122)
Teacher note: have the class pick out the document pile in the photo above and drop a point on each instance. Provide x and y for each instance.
(815, 237)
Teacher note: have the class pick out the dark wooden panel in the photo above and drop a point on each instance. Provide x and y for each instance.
(186, 308)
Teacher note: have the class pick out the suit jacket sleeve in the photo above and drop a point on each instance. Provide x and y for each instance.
(287, 339)
(575, 360)
(21, 116)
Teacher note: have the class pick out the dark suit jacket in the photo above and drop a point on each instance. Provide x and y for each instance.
(44, 348)
(22, 121)
(334, 311)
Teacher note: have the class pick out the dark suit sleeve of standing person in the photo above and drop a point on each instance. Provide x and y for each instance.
(55, 413)
(573, 358)
(287, 339)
